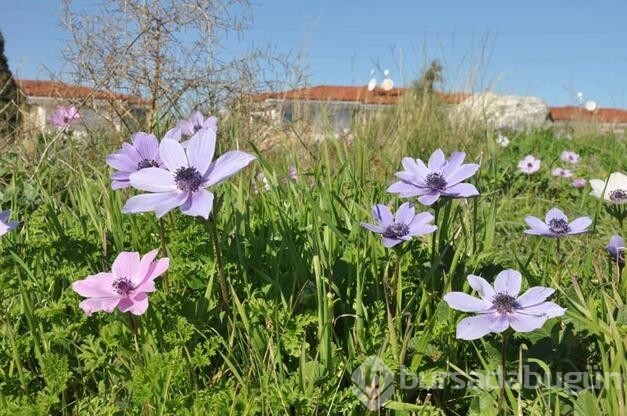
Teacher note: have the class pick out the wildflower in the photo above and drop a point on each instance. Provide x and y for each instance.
(556, 224)
(579, 183)
(142, 153)
(562, 173)
(500, 307)
(529, 164)
(440, 178)
(293, 173)
(613, 190)
(616, 249)
(64, 117)
(186, 174)
(5, 224)
(196, 122)
(569, 157)
(406, 225)
(502, 141)
(126, 286)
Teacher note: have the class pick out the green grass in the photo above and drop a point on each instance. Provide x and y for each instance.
(311, 293)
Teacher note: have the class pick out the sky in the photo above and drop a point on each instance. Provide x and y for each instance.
(549, 49)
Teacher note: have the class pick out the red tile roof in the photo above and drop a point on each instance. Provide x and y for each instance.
(603, 115)
(57, 89)
(378, 96)
(349, 94)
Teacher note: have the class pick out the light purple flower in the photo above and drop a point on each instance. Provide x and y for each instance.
(186, 175)
(556, 225)
(570, 157)
(402, 228)
(64, 117)
(142, 153)
(500, 307)
(5, 224)
(440, 178)
(126, 286)
(196, 122)
(579, 183)
(616, 249)
(562, 173)
(529, 165)
(293, 173)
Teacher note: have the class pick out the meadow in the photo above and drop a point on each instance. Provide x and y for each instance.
(282, 302)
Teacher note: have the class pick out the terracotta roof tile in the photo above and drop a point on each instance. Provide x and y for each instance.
(603, 115)
(349, 94)
(57, 89)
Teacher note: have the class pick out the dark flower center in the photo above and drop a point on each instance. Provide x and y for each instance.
(147, 163)
(197, 127)
(559, 226)
(435, 181)
(66, 119)
(187, 179)
(396, 231)
(122, 286)
(529, 164)
(618, 195)
(504, 303)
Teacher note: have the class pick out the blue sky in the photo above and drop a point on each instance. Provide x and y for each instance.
(549, 49)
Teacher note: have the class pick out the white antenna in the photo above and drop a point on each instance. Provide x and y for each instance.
(590, 105)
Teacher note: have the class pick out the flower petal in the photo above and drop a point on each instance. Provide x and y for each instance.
(476, 327)
(538, 227)
(405, 213)
(415, 167)
(99, 285)
(405, 189)
(226, 166)
(92, 305)
(483, 288)
(199, 205)
(383, 215)
(534, 295)
(463, 172)
(200, 150)
(429, 199)
(550, 309)
(555, 214)
(437, 161)
(391, 242)
(580, 225)
(125, 264)
(461, 190)
(172, 155)
(373, 228)
(453, 163)
(146, 202)
(463, 302)
(146, 144)
(522, 322)
(170, 201)
(153, 180)
(508, 281)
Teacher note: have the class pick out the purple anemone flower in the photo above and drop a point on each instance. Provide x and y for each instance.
(142, 153)
(579, 183)
(5, 224)
(570, 157)
(64, 117)
(529, 165)
(562, 173)
(556, 224)
(616, 249)
(196, 122)
(406, 225)
(500, 307)
(186, 175)
(126, 286)
(440, 178)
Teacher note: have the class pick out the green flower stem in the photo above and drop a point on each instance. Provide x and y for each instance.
(221, 277)
(164, 251)
(502, 410)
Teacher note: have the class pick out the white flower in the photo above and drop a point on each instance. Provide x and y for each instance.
(502, 141)
(613, 190)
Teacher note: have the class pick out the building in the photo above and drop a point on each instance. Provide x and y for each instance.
(99, 110)
(329, 107)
